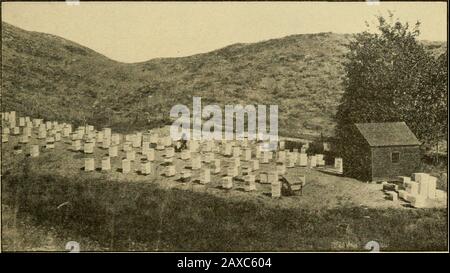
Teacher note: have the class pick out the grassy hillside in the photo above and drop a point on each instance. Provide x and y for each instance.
(47, 76)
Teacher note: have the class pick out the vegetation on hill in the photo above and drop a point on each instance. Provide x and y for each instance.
(50, 77)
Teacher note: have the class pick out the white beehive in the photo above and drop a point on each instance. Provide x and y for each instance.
(89, 164)
(113, 151)
(99, 137)
(208, 157)
(258, 151)
(107, 132)
(151, 155)
(232, 171)
(129, 138)
(50, 143)
(282, 145)
(170, 152)
(146, 137)
(255, 164)
(206, 176)
(16, 131)
(412, 188)
(48, 125)
(12, 119)
(291, 160)
(136, 142)
(312, 161)
(76, 145)
(338, 165)
(236, 151)
(106, 163)
(115, 139)
(393, 196)
(216, 169)
(196, 162)
(88, 147)
(5, 138)
(403, 194)
(185, 155)
(127, 147)
(34, 150)
(281, 168)
(207, 147)
(167, 141)
(126, 166)
(227, 182)
(281, 157)
(160, 145)
(170, 170)
(154, 138)
(303, 160)
(145, 147)
(17, 150)
(432, 187)
(276, 189)
(319, 160)
(28, 131)
(186, 174)
(106, 143)
(21, 122)
(417, 201)
(28, 124)
(90, 128)
(227, 149)
(24, 138)
(131, 155)
(250, 184)
(272, 177)
(247, 154)
(237, 162)
(263, 178)
(146, 167)
(404, 180)
(247, 170)
(265, 158)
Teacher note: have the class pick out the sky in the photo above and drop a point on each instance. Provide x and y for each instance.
(139, 31)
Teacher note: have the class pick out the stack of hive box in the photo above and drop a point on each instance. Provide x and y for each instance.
(418, 188)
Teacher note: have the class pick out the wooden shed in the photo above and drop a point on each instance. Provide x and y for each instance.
(382, 151)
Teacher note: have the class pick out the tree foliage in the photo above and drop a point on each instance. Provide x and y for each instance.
(391, 77)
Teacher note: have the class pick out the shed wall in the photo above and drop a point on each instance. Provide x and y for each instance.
(384, 169)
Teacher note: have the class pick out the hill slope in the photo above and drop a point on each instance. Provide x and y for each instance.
(47, 76)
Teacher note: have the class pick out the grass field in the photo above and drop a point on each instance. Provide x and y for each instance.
(138, 216)
(54, 202)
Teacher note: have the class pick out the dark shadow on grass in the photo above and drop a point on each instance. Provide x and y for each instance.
(78, 156)
(330, 173)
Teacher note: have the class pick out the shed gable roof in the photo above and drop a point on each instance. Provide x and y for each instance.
(387, 134)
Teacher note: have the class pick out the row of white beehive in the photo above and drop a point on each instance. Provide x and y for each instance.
(416, 189)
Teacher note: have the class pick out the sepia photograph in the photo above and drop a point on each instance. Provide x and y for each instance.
(224, 127)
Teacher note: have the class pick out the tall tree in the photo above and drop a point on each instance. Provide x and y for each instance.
(391, 77)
